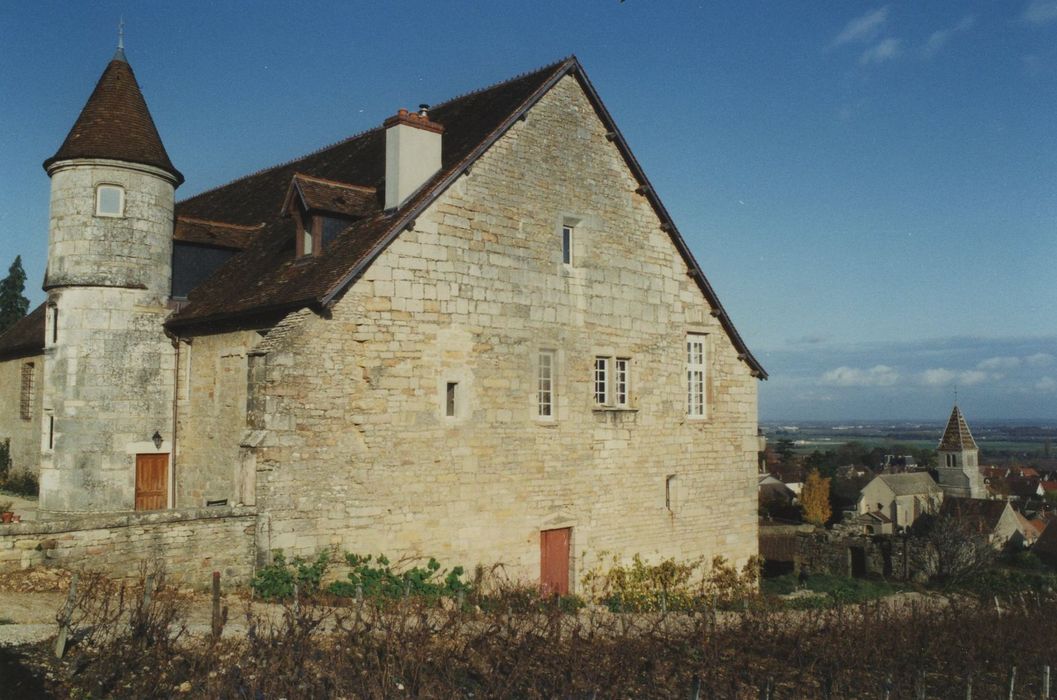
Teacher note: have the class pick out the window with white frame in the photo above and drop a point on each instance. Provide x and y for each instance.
(695, 375)
(612, 381)
(545, 385)
(601, 381)
(110, 200)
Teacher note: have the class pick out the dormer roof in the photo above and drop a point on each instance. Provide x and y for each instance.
(332, 197)
(957, 438)
(115, 124)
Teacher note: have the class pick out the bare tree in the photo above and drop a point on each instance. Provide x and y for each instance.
(956, 548)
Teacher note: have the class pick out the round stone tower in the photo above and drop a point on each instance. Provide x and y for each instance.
(108, 368)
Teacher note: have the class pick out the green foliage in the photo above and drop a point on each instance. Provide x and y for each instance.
(22, 482)
(13, 304)
(278, 580)
(669, 584)
(379, 579)
(832, 590)
(5, 460)
(1008, 583)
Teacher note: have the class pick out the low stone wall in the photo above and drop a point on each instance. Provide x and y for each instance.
(190, 544)
(893, 557)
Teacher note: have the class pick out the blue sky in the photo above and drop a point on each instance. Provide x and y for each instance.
(871, 188)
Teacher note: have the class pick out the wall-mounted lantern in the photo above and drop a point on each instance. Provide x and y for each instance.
(157, 440)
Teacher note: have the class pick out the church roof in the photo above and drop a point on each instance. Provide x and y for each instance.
(267, 278)
(957, 437)
(910, 484)
(115, 124)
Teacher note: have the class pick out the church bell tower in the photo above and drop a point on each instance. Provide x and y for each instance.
(958, 460)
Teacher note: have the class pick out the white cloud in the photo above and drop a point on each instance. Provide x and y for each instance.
(884, 50)
(1040, 12)
(862, 28)
(1040, 359)
(942, 376)
(938, 377)
(878, 375)
(993, 363)
(1046, 384)
(939, 39)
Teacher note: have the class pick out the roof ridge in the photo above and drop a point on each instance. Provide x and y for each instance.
(519, 76)
(338, 183)
(222, 224)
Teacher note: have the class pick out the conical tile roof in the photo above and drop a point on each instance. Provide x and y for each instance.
(115, 124)
(957, 437)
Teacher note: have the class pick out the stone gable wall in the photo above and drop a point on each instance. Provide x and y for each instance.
(24, 435)
(191, 544)
(355, 449)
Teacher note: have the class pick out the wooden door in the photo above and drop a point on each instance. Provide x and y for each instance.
(152, 481)
(554, 561)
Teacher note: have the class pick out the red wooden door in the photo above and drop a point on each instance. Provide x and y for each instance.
(152, 481)
(554, 561)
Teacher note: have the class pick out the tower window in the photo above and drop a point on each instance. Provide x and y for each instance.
(25, 403)
(109, 200)
(567, 244)
(449, 399)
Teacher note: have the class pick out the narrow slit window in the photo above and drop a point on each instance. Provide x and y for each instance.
(51, 432)
(449, 398)
(545, 385)
(54, 324)
(567, 244)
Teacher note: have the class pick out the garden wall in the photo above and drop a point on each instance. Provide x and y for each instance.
(190, 544)
(893, 557)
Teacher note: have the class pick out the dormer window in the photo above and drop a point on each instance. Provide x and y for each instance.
(110, 201)
(323, 209)
(307, 234)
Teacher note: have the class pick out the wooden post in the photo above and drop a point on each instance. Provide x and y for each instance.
(148, 590)
(969, 686)
(695, 688)
(919, 685)
(1012, 681)
(886, 687)
(64, 621)
(218, 618)
(1045, 682)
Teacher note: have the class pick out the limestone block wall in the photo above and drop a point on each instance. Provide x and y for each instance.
(108, 384)
(190, 544)
(212, 417)
(108, 376)
(23, 435)
(356, 448)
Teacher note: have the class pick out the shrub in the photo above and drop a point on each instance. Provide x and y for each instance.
(278, 580)
(23, 482)
(379, 579)
(5, 460)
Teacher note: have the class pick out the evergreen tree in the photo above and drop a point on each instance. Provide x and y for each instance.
(13, 304)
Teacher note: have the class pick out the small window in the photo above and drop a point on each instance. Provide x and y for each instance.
(545, 385)
(567, 244)
(602, 381)
(695, 376)
(54, 324)
(670, 492)
(25, 401)
(621, 379)
(51, 432)
(109, 200)
(449, 399)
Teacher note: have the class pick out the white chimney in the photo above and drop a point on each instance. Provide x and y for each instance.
(412, 154)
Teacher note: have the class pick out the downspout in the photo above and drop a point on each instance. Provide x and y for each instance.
(175, 414)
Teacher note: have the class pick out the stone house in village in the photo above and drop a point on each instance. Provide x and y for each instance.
(900, 499)
(473, 333)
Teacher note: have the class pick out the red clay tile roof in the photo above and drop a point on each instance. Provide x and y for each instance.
(213, 233)
(24, 338)
(957, 436)
(974, 510)
(266, 277)
(115, 124)
(317, 194)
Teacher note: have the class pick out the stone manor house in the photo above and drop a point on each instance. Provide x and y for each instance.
(473, 332)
